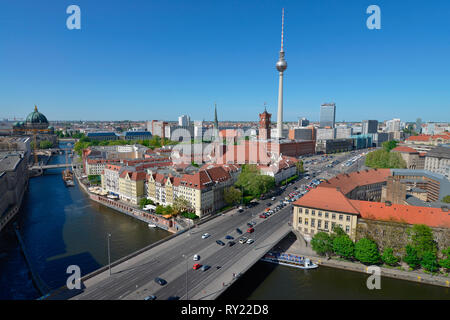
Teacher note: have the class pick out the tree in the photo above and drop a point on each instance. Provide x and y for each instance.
(232, 195)
(299, 166)
(388, 257)
(253, 182)
(337, 232)
(411, 257)
(389, 145)
(367, 252)
(421, 238)
(144, 202)
(429, 261)
(384, 159)
(446, 199)
(322, 243)
(181, 205)
(344, 246)
(45, 144)
(445, 263)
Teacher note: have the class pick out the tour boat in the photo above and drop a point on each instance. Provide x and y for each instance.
(151, 225)
(289, 260)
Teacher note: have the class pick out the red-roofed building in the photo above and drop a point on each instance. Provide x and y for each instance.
(341, 201)
(413, 158)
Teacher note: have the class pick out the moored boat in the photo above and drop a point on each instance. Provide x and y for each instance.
(289, 260)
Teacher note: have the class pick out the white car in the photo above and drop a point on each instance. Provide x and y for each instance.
(250, 241)
(196, 257)
(205, 235)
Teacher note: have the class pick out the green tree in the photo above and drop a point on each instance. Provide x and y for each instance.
(45, 144)
(389, 145)
(344, 246)
(322, 244)
(411, 257)
(337, 232)
(232, 195)
(299, 166)
(421, 238)
(446, 199)
(144, 201)
(367, 252)
(445, 262)
(389, 258)
(429, 261)
(253, 183)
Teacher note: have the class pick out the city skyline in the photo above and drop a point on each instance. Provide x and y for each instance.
(111, 71)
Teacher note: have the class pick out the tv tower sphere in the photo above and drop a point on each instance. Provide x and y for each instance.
(281, 63)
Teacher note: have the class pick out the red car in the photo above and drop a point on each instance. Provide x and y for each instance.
(197, 266)
(250, 230)
(263, 216)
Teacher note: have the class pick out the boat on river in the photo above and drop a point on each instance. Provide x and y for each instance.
(151, 225)
(67, 176)
(289, 260)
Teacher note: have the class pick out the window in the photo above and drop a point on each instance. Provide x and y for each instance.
(326, 214)
(332, 225)
(300, 220)
(333, 216)
(306, 211)
(326, 225)
(347, 229)
(319, 223)
(341, 217)
(348, 218)
(313, 212)
(313, 222)
(306, 221)
(320, 213)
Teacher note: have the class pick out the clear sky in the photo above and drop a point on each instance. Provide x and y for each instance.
(142, 60)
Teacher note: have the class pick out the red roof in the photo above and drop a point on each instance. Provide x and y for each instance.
(421, 137)
(327, 199)
(405, 149)
(433, 217)
(348, 182)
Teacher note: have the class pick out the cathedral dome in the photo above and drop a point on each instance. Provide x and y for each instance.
(36, 117)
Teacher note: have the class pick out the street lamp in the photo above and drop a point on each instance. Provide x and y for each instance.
(109, 254)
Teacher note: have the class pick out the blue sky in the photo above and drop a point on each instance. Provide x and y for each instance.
(142, 60)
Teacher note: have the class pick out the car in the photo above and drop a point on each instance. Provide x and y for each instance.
(238, 230)
(252, 223)
(269, 204)
(219, 242)
(150, 298)
(218, 267)
(196, 257)
(160, 281)
(231, 243)
(250, 230)
(173, 298)
(228, 237)
(273, 199)
(240, 210)
(262, 216)
(249, 224)
(243, 240)
(295, 188)
(250, 241)
(197, 266)
(205, 267)
(205, 235)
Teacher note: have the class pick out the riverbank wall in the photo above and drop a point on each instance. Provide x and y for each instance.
(295, 247)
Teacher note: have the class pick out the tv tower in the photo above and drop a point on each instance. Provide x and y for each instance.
(281, 66)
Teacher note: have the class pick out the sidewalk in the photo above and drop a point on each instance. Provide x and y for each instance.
(291, 246)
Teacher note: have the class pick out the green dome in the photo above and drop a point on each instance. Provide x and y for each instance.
(36, 117)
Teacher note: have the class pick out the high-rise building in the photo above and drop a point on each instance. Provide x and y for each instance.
(303, 122)
(327, 115)
(393, 125)
(369, 126)
(281, 67)
(184, 120)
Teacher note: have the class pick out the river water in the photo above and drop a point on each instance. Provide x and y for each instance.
(61, 226)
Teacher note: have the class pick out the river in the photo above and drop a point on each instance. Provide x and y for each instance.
(61, 226)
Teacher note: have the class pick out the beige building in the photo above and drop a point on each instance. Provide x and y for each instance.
(131, 186)
(321, 209)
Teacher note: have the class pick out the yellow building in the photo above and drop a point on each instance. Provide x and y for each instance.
(321, 209)
(131, 186)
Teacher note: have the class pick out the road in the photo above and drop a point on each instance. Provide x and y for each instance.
(173, 260)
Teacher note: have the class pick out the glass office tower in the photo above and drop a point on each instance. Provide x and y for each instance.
(327, 115)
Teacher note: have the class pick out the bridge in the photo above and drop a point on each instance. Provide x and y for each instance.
(51, 166)
(133, 277)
